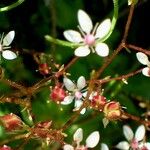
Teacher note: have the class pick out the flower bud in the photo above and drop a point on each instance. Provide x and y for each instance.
(5, 147)
(58, 94)
(112, 110)
(98, 101)
(44, 69)
(11, 122)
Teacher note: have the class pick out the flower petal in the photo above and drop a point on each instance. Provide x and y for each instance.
(82, 51)
(146, 71)
(9, 55)
(103, 29)
(83, 111)
(140, 133)
(68, 147)
(77, 104)
(81, 83)
(78, 135)
(142, 58)
(93, 139)
(104, 146)
(124, 145)
(128, 133)
(102, 49)
(85, 21)
(73, 36)
(67, 100)
(70, 86)
(8, 38)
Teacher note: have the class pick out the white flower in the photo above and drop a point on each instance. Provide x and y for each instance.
(133, 141)
(5, 45)
(143, 59)
(77, 93)
(89, 36)
(91, 141)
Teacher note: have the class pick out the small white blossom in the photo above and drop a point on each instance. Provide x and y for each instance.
(133, 141)
(143, 59)
(77, 93)
(5, 45)
(89, 36)
(91, 141)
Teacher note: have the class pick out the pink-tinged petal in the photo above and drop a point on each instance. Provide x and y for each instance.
(85, 21)
(73, 36)
(128, 133)
(70, 86)
(8, 38)
(67, 100)
(93, 139)
(124, 145)
(104, 146)
(140, 133)
(82, 51)
(103, 29)
(9, 55)
(78, 135)
(142, 58)
(68, 147)
(102, 49)
(81, 83)
(146, 71)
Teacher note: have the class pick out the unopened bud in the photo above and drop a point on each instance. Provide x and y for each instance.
(44, 69)
(5, 147)
(11, 122)
(112, 110)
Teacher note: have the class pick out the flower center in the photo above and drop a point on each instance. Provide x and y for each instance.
(89, 39)
(78, 94)
(134, 144)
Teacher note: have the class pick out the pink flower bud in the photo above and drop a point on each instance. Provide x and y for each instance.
(44, 124)
(44, 69)
(112, 110)
(99, 101)
(11, 122)
(5, 147)
(58, 94)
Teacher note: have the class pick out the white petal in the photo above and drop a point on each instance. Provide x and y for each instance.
(103, 29)
(147, 145)
(68, 147)
(70, 86)
(146, 71)
(73, 36)
(104, 147)
(128, 133)
(124, 145)
(77, 104)
(83, 111)
(85, 21)
(78, 135)
(67, 100)
(81, 83)
(102, 49)
(8, 38)
(142, 58)
(140, 133)
(9, 55)
(129, 2)
(93, 139)
(82, 51)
